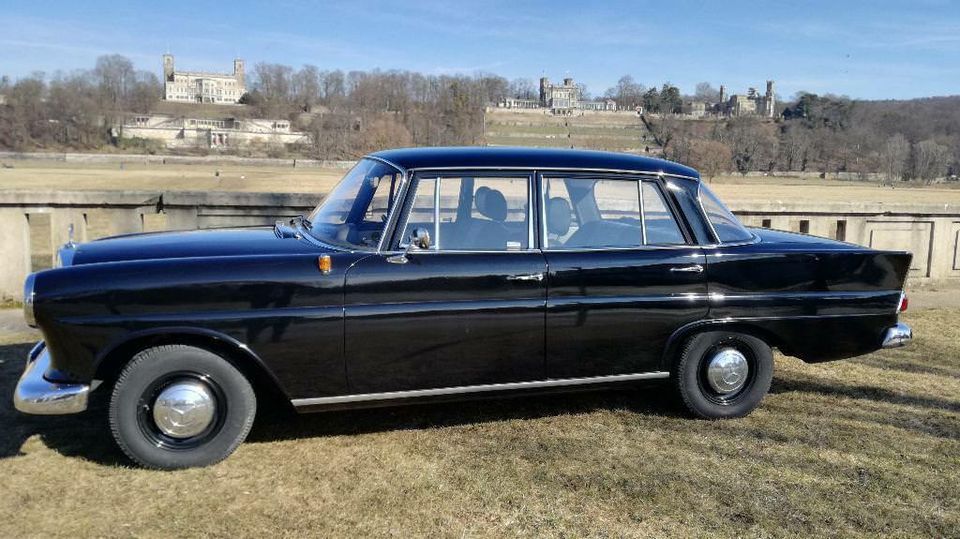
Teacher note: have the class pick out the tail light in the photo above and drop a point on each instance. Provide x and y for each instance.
(904, 302)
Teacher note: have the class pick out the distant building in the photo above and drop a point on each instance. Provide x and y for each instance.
(559, 97)
(562, 98)
(202, 86)
(695, 109)
(219, 133)
(752, 104)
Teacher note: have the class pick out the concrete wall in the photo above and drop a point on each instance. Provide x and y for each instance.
(33, 224)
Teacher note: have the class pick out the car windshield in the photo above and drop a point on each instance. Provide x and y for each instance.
(354, 213)
(725, 223)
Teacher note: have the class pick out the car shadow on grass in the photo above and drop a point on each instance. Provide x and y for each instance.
(84, 435)
(87, 435)
(860, 391)
(650, 399)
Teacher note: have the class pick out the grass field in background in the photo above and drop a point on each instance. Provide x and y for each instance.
(856, 448)
(139, 176)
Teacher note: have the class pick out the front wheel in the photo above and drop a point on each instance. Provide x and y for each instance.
(179, 406)
(723, 374)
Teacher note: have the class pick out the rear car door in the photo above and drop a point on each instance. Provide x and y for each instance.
(623, 274)
(467, 311)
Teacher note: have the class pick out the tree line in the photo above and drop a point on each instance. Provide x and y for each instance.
(75, 109)
(351, 113)
(917, 140)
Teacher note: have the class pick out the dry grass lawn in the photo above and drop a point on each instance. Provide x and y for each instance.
(146, 177)
(858, 448)
(139, 176)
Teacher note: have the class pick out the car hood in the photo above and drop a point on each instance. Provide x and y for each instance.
(190, 244)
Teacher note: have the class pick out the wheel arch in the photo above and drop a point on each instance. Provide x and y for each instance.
(676, 341)
(112, 360)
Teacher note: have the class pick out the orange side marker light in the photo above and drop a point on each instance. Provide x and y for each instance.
(325, 263)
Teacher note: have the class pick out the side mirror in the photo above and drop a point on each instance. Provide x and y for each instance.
(419, 240)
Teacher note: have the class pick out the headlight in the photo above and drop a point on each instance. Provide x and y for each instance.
(28, 295)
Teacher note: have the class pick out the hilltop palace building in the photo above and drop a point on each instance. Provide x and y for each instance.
(214, 128)
(202, 86)
(562, 98)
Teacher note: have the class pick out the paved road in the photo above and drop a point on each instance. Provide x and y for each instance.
(11, 321)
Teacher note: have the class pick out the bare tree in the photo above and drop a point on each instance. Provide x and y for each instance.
(894, 157)
(752, 142)
(710, 157)
(115, 77)
(627, 93)
(523, 89)
(384, 132)
(706, 93)
(795, 148)
(930, 160)
(306, 87)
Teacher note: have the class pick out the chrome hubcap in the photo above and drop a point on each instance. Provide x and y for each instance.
(184, 409)
(727, 371)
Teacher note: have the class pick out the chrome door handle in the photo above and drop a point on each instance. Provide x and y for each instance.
(526, 277)
(696, 268)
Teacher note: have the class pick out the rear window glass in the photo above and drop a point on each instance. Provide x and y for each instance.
(725, 223)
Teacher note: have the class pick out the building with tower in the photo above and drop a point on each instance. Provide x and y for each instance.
(203, 86)
(565, 98)
(752, 104)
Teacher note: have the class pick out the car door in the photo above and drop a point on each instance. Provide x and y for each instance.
(466, 311)
(623, 274)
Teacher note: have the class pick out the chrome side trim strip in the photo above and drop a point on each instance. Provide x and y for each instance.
(464, 390)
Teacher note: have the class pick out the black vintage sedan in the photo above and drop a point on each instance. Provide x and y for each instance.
(447, 273)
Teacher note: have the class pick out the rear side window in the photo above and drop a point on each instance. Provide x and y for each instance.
(724, 222)
(586, 213)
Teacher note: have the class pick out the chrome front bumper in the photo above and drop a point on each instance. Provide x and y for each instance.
(898, 335)
(36, 395)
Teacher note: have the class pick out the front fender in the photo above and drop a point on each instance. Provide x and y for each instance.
(115, 355)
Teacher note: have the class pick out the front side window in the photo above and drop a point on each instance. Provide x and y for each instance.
(466, 213)
(724, 222)
(354, 213)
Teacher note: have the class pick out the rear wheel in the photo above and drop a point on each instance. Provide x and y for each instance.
(723, 374)
(179, 406)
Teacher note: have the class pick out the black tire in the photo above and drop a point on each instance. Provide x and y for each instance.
(142, 380)
(694, 388)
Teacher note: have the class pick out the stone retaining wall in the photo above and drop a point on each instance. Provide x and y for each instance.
(34, 223)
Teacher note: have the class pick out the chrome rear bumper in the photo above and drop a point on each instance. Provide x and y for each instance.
(898, 335)
(36, 395)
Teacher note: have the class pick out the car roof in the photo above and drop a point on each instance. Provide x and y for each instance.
(535, 158)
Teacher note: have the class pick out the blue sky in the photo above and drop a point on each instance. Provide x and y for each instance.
(873, 50)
